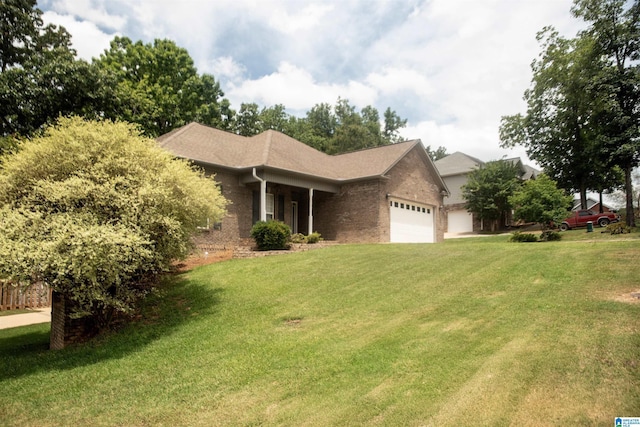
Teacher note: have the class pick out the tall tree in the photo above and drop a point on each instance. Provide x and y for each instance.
(488, 189)
(159, 87)
(21, 25)
(40, 77)
(275, 118)
(615, 28)
(247, 120)
(558, 130)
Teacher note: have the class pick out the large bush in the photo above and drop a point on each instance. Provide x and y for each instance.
(271, 235)
(96, 211)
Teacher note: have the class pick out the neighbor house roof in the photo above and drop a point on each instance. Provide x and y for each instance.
(275, 150)
(457, 164)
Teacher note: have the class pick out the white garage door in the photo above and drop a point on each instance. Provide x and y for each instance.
(460, 221)
(411, 222)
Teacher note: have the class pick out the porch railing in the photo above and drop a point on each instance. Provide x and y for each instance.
(15, 297)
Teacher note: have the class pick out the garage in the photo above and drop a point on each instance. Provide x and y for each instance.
(460, 221)
(411, 222)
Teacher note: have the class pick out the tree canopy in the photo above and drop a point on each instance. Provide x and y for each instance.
(583, 110)
(158, 87)
(540, 200)
(96, 211)
(40, 78)
(488, 189)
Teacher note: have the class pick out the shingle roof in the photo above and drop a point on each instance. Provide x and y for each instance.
(279, 151)
(457, 163)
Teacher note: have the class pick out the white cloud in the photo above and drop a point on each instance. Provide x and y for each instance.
(452, 67)
(306, 19)
(92, 11)
(87, 39)
(296, 88)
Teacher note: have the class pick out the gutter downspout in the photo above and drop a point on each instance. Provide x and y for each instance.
(263, 196)
(310, 211)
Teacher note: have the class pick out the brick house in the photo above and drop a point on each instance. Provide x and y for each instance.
(455, 169)
(392, 193)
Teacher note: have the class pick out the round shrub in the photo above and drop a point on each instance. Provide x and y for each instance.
(271, 235)
(314, 237)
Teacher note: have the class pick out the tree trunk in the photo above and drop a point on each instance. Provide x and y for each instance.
(628, 185)
(601, 203)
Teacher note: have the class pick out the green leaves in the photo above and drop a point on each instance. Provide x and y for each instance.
(540, 201)
(488, 190)
(96, 211)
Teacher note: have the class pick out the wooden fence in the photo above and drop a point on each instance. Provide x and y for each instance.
(16, 297)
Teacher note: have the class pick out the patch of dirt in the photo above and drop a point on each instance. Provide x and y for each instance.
(196, 260)
(630, 298)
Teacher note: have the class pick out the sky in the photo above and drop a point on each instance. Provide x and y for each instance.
(452, 68)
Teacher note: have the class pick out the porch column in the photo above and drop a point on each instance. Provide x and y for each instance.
(310, 210)
(263, 195)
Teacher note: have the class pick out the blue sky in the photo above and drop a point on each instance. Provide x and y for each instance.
(451, 67)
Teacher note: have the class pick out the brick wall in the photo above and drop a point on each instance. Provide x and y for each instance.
(64, 329)
(410, 180)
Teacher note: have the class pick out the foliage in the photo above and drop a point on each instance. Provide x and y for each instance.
(558, 130)
(438, 153)
(540, 201)
(314, 238)
(488, 189)
(583, 109)
(614, 29)
(158, 87)
(40, 78)
(523, 237)
(271, 235)
(97, 211)
(298, 238)
(618, 228)
(550, 236)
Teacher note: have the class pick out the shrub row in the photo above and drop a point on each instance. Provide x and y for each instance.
(546, 236)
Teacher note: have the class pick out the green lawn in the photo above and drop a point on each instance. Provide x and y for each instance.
(469, 332)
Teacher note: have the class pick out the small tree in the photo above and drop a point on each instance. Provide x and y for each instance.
(540, 201)
(488, 190)
(96, 211)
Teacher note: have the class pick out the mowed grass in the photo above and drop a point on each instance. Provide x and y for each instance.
(469, 332)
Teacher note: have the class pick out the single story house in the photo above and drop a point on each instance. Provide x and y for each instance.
(592, 204)
(391, 193)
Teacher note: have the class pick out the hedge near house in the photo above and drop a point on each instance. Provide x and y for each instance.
(97, 211)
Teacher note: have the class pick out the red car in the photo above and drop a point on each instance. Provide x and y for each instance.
(580, 218)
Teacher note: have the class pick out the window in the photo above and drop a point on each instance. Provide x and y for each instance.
(413, 208)
(269, 206)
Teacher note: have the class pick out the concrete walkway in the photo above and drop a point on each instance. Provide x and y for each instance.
(40, 315)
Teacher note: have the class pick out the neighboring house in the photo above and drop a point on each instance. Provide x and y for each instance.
(593, 205)
(455, 169)
(385, 194)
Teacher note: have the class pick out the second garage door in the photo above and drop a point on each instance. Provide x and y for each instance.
(460, 221)
(411, 222)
